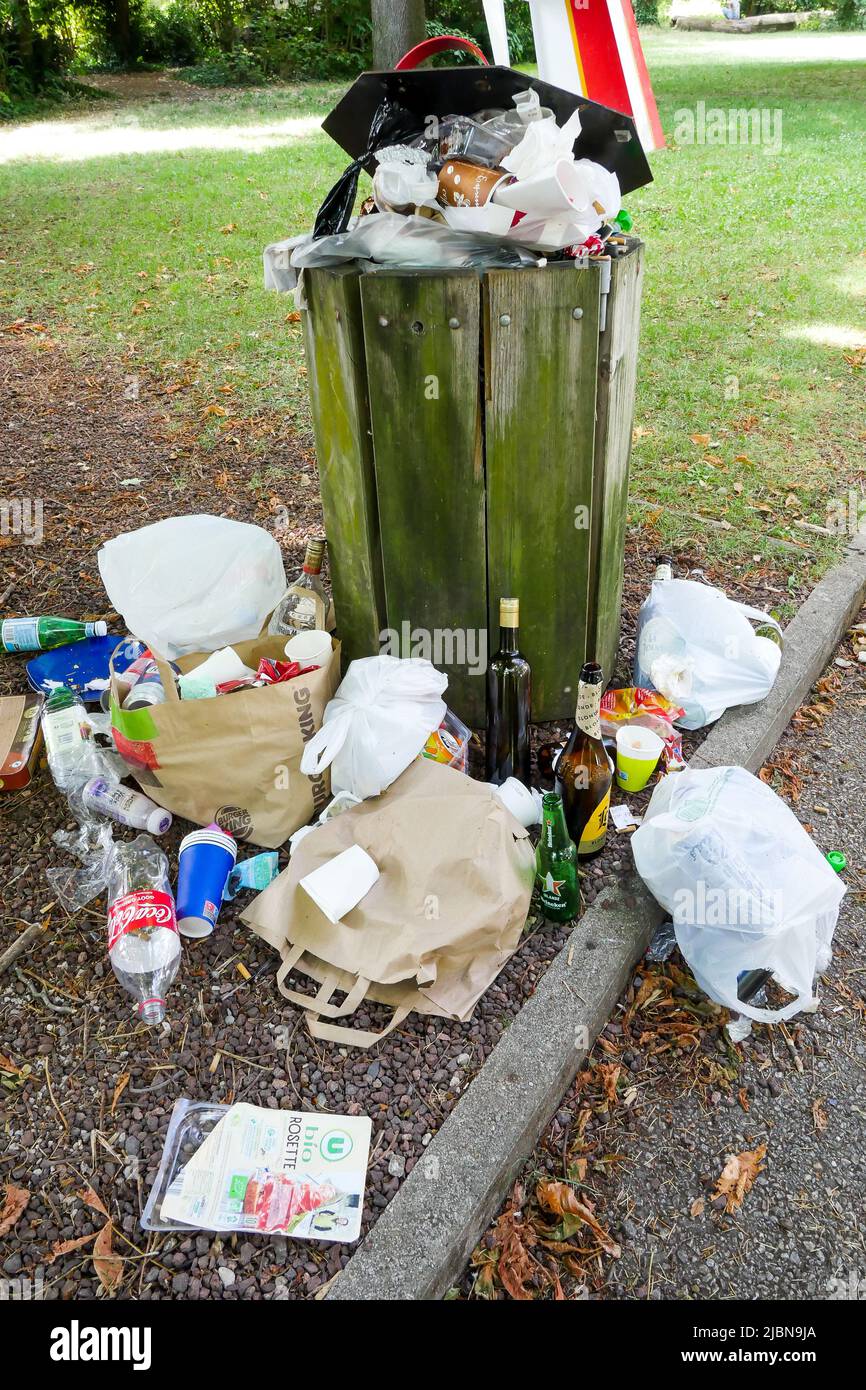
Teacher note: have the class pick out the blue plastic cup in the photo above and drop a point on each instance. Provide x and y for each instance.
(205, 860)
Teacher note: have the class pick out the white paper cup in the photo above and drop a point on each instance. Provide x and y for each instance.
(519, 800)
(310, 648)
(559, 189)
(339, 885)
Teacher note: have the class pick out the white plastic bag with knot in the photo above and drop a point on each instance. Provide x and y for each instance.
(744, 884)
(377, 723)
(698, 647)
(193, 583)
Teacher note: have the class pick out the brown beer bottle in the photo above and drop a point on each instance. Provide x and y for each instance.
(583, 775)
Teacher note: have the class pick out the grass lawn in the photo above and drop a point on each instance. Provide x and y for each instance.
(138, 229)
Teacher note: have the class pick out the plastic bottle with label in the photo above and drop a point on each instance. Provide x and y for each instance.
(42, 634)
(143, 941)
(126, 806)
(72, 755)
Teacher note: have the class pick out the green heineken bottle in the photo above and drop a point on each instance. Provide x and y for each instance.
(556, 863)
(40, 634)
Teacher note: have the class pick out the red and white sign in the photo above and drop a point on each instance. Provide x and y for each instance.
(591, 47)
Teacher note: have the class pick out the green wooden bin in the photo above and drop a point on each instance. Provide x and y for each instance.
(473, 436)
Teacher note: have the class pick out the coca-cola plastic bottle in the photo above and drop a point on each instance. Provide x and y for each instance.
(143, 943)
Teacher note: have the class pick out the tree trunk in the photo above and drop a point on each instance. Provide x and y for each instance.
(121, 33)
(397, 26)
(25, 38)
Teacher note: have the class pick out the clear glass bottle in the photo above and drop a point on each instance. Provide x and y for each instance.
(297, 611)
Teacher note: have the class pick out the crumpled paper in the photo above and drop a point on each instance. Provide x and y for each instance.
(542, 145)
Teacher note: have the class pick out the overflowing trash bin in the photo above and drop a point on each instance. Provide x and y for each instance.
(472, 344)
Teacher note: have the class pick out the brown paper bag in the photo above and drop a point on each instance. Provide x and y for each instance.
(233, 758)
(456, 874)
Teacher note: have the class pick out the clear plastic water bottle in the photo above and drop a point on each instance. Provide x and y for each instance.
(143, 942)
(72, 755)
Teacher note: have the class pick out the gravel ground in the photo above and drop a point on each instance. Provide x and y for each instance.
(85, 1092)
(648, 1156)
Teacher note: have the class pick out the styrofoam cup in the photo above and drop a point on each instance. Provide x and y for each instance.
(340, 884)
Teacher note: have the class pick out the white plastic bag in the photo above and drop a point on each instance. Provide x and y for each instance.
(377, 723)
(193, 583)
(698, 648)
(746, 887)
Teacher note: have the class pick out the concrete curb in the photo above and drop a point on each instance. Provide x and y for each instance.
(421, 1242)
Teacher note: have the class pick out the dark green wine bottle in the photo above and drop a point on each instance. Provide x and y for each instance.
(556, 863)
(509, 682)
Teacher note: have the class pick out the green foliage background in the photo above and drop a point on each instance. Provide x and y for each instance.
(237, 42)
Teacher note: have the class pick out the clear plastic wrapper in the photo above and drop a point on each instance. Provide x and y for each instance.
(246, 1168)
(663, 943)
(465, 138)
(91, 845)
(390, 239)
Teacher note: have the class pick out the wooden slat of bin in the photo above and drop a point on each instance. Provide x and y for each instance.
(334, 340)
(422, 343)
(617, 370)
(541, 376)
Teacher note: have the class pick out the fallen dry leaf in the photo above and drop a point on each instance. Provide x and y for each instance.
(108, 1266)
(697, 1207)
(516, 1267)
(14, 1202)
(610, 1073)
(93, 1200)
(701, 439)
(819, 1115)
(562, 1200)
(119, 1088)
(738, 1176)
(64, 1247)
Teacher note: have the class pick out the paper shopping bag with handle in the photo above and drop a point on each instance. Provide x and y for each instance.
(455, 880)
(234, 758)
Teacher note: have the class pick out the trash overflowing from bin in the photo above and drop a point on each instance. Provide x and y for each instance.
(506, 171)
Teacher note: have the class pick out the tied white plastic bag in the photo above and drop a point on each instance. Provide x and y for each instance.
(697, 647)
(378, 721)
(193, 583)
(746, 887)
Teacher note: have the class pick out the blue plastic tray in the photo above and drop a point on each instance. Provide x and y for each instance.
(77, 663)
